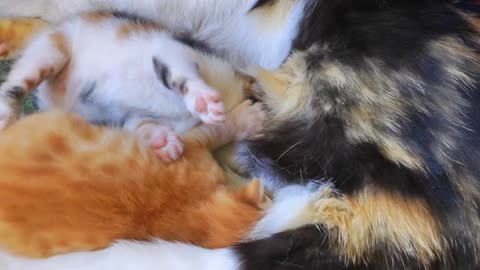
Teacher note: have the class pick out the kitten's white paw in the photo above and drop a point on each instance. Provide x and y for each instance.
(247, 119)
(205, 102)
(163, 140)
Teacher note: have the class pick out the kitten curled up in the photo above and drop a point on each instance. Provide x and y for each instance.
(67, 185)
(120, 70)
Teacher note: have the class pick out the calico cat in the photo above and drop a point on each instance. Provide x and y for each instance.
(16, 33)
(379, 99)
(69, 186)
(120, 70)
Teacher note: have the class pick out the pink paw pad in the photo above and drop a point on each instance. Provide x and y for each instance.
(164, 141)
(205, 102)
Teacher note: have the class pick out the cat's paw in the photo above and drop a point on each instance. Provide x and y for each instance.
(330, 209)
(204, 102)
(247, 119)
(254, 193)
(163, 140)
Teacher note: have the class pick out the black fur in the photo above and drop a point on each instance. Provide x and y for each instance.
(162, 72)
(193, 43)
(292, 250)
(261, 3)
(16, 93)
(397, 33)
(126, 16)
(86, 94)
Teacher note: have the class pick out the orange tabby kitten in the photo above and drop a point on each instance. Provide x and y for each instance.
(15, 34)
(66, 185)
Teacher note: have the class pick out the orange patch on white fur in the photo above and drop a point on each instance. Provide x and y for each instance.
(129, 28)
(97, 16)
(60, 43)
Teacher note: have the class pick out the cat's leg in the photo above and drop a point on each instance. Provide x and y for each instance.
(43, 58)
(204, 101)
(160, 137)
(242, 122)
(181, 74)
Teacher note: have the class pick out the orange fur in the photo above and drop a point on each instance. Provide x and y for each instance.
(129, 28)
(69, 186)
(15, 34)
(96, 16)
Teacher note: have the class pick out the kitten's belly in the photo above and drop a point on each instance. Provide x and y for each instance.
(110, 103)
(109, 79)
(112, 97)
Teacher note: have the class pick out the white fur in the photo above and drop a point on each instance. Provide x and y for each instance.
(126, 87)
(242, 38)
(126, 255)
(290, 208)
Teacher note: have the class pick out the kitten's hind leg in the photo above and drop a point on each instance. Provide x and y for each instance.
(43, 58)
(203, 101)
(161, 138)
(242, 122)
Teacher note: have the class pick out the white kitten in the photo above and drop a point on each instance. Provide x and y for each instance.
(124, 71)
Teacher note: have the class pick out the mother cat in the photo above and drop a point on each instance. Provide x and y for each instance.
(379, 98)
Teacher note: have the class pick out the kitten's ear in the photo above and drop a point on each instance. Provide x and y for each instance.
(163, 72)
(254, 193)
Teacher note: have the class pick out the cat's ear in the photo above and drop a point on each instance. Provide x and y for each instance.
(163, 72)
(254, 193)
